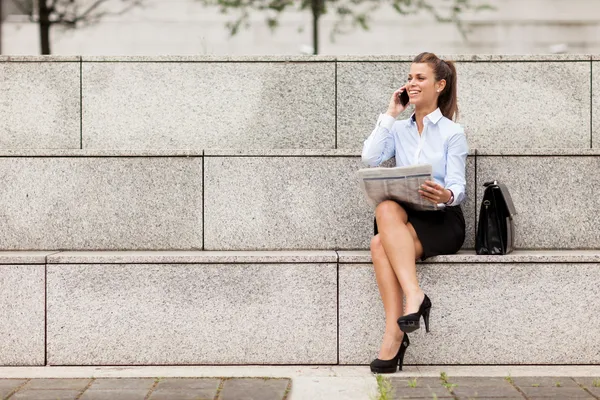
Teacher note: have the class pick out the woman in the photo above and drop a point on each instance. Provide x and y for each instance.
(404, 235)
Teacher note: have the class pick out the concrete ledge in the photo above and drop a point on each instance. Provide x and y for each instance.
(213, 59)
(471, 57)
(24, 257)
(193, 257)
(469, 257)
(50, 58)
(101, 153)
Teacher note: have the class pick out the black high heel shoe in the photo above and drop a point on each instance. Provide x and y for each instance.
(389, 366)
(410, 323)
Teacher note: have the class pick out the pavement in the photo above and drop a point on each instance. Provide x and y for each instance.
(298, 383)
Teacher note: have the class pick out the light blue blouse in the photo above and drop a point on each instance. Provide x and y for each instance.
(442, 144)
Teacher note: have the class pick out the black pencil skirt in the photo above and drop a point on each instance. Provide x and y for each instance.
(440, 232)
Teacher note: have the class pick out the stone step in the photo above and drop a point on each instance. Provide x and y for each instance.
(304, 307)
(264, 199)
(330, 102)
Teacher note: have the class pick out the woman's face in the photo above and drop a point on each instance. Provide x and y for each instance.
(422, 87)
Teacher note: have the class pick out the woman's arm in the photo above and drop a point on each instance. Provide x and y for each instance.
(456, 165)
(379, 146)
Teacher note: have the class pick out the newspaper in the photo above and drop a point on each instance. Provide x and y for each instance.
(399, 183)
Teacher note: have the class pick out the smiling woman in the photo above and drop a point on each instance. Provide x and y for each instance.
(403, 235)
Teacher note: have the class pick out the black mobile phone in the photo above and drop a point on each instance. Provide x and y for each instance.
(404, 100)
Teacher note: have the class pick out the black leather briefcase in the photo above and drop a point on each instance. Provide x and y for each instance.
(495, 228)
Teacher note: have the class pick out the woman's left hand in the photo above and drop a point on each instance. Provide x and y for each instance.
(433, 192)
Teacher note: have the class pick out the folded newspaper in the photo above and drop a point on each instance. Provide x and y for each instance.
(399, 183)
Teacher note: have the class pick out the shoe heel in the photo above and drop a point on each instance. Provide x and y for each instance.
(403, 347)
(426, 318)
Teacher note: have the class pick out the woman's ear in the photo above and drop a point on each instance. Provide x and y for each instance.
(440, 85)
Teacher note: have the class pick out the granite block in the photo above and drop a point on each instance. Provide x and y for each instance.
(278, 203)
(556, 202)
(596, 104)
(40, 105)
(212, 58)
(469, 256)
(22, 314)
(242, 105)
(490, 95)
(482, 314)
(101, 203)
(483, 58)
(192, 314)
(364, 91)
(24, 257)
(191, 257)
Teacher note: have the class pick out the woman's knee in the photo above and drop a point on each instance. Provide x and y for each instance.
(389, 208)
(376, 246)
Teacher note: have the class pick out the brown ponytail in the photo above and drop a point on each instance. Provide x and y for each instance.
(443, 70)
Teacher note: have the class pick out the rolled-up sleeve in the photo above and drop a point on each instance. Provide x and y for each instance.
(379, 146)
(456, 166)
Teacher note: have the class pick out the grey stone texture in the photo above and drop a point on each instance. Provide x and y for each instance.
(22, 314)
(112, 394)
(57, 384)
(543, 381)
(469, 256)
(24, 257)
(596, 104)
(556, 201)
(40, 105)
(185, 389)
(8, 386)
(51, 394)
(467, 387)
(424, 388)
(191, 257)
(268, 203)
(490, 95)
(101, 203)
(192, 314)
(482, 314)
(121, 384)
(254, 389)
(204, 104)
(590, 384)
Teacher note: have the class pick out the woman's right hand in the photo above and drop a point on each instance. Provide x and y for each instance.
(395, 107)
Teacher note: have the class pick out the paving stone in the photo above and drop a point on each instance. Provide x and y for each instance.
(485, 391)
(46, 395)
(8, 385)
(115, 394)
(545, 381)
(254, 389)
(63, 384)
(588, 383)
(185, 389)
(425, 388)
(122, 384)
(555, 392)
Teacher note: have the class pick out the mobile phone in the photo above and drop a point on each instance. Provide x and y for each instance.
(404, 99)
